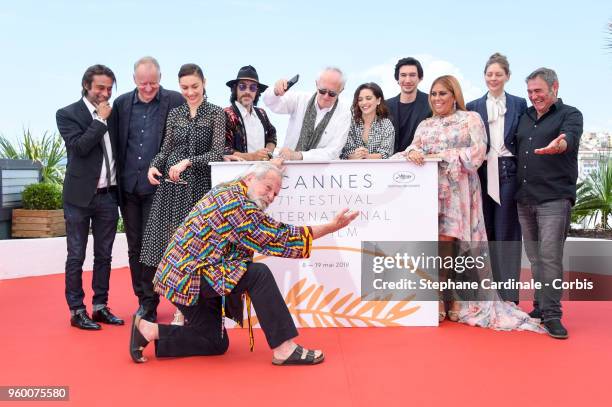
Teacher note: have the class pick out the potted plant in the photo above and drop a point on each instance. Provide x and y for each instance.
(48, 150)
(42, 214)
(594, 203)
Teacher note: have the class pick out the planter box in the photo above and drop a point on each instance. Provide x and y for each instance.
(38, 223)
(15, 175)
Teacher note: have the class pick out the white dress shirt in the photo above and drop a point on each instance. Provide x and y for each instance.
(496, 110)
(255, 133)
(295, 104)
(102, 182)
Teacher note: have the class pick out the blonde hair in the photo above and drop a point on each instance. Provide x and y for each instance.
(452, 85)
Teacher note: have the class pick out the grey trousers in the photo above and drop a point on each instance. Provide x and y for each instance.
(545, 228)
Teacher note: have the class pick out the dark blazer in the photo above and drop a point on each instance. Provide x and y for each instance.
(421, 112)
(515, 107)
(122, 113)
(83, 137)
(235, 134)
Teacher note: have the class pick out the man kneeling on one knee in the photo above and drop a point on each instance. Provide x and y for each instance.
(208, 266)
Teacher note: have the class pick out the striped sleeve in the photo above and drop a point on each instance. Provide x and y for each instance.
(260, 233)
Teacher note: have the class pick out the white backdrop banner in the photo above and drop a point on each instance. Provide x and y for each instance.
(396, 200)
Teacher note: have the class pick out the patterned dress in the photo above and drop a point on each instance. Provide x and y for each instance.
(381, 138)
(199, 139)
(460, 140)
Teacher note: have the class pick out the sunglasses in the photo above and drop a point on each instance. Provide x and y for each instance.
(331, 93)
(251, 87)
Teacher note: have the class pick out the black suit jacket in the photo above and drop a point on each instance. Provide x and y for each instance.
(122, 113)
(83, 137)
(421, 112)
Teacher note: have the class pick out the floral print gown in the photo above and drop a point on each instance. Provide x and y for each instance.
(460, 140)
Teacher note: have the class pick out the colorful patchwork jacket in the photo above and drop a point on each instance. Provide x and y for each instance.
(217, 240)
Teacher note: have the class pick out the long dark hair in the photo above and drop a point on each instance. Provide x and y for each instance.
(381, 110)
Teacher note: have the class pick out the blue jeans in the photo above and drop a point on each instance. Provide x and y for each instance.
(545, 228)
(102, 215)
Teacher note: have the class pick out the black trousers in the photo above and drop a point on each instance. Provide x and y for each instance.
(135, 210)
(101, 215)
(202, 335)
(503, 226)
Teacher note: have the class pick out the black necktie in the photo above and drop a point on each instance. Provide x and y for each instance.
(106, 160)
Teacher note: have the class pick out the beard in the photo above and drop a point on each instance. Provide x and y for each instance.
(259, 202)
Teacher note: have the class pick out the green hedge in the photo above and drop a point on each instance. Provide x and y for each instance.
(42, 196)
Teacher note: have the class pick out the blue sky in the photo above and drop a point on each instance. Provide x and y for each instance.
(46, 46)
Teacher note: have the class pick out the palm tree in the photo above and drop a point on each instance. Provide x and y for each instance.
(594, 196)
(49, 151)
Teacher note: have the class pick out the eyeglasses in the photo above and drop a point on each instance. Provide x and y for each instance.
(251, 87)
(331, 93)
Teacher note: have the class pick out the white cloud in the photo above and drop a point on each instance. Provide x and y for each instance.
(432, 67)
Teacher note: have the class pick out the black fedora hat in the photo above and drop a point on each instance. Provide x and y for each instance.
(250, 73)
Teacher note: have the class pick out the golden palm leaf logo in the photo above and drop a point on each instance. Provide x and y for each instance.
(313, 308)
(336, 310)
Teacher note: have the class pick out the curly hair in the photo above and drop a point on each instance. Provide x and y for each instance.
(381, 109)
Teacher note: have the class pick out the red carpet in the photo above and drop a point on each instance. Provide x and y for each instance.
(452, 365)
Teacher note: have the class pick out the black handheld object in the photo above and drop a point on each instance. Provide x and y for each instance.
(292, 81)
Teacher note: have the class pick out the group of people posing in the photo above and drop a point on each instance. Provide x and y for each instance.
(505, 172)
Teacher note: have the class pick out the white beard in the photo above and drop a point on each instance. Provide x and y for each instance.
(261, 204)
